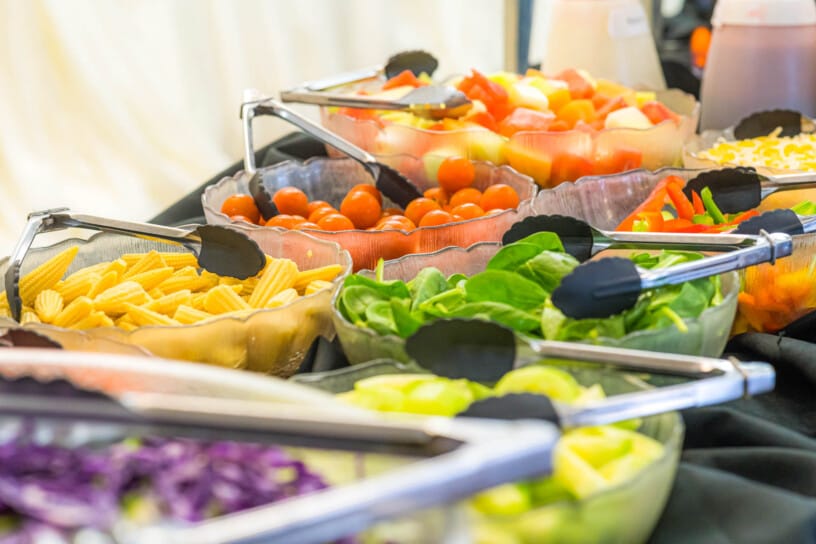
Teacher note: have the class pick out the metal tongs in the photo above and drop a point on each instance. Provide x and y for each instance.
(455, 458)
(434, 101)
(485, 351)
(608, 286)
(390, 182)
(221, 250)
(783, 220)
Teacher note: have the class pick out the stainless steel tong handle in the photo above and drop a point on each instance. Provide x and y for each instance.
(768, 248)
(59, 219)
(306, 96)
(715, 381)
(340, 79)
(782, 182)
(689, 241)
(256, 104)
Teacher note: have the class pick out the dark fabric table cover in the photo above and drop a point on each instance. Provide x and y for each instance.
(748, 470)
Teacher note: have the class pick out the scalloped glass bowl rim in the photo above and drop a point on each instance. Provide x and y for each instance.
(341, 253)
(301, 164)
(394, 338)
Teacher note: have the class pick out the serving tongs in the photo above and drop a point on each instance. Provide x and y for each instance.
(584, 241)
(739, 189)
(762, 123)
(784, 220)
(485, 351)
(455, 458)
(607, 286)
(434, 101)
(390, 182)
(220, 250)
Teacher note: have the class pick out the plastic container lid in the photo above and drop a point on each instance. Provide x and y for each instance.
(764, 12)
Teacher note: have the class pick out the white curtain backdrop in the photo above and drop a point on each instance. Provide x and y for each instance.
(120, 108)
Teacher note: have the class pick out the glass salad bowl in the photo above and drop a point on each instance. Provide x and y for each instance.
(626, 513)
(330, 180)
(706, 335)
(272, 341)
(773, 295)
(549, 157)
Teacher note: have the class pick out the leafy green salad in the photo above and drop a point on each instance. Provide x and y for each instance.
(514, 290)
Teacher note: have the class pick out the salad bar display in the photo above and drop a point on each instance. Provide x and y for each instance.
(524, 282)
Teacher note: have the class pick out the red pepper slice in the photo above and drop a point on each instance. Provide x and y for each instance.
(697, 203)
(685, 210)
(406, 77)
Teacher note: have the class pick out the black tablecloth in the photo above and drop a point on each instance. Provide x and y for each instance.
(748, 471)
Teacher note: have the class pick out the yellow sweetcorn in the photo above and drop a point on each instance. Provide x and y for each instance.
(197, 301)
(76, 286)
(46, 275)
(114, 300)
(281, 299)
(187, 315)
(75, 312)
(152, 278)
(29, 316)
(108, 280)
(48, 304)
(148, 261)
(168, 304)
(772, 151)
(93, 320)
(222, 299)
(144, 317)
(325, 273)
(118, 266)
(279, 274)
(317, 285)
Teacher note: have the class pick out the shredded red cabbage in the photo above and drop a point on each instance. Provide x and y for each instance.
(46, 487)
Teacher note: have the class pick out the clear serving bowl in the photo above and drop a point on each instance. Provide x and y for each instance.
(624, 192)
(543, 155)
(118, 375)
(624, 514)
(272, 341)
(331, 179)
(701, 142)
(707, 335)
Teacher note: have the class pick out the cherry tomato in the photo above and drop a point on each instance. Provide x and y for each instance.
(435, 217)
(241, 218)
(285, 220)
(314, 205)
(335, 221)
(291, 201)
(468, 195)
(391, 211)
(307, 225)
(370, 189)
(243, 205)
(397, 222)
(467, 211)
(418, 207)
(499, 197)
(319, 213)
(455, 173)
(362, 208)
(437, 194)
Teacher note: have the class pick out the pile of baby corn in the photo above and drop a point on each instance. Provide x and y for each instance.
(154, 288)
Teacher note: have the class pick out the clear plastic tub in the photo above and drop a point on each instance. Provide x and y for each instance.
(272, 341)
(707, 335)
(331, 179)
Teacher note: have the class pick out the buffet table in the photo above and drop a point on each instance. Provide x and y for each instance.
(748, 471)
